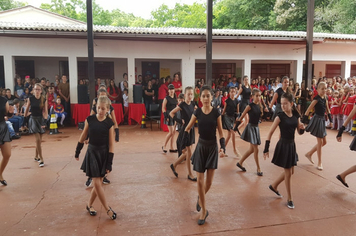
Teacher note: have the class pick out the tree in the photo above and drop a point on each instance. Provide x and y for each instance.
(10, 4)
(243, 14)
(182, 15)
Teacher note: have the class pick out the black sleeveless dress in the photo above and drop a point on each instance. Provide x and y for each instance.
(186, 113)
(170, 105)
(251, 133)
(246, 95)
(285, 154)
(4, 131)
(316, 126)
(94, 163)
(36, 120)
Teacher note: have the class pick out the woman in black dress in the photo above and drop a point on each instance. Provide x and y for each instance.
(285, 154)
(99, 156)
(341, 177)
(316, 126)
(186, 109)
(5, 138)
(37, 121)
(251, 133)
(168, 104)
(245, 92)
(229, 115)
(206, 154)
(278, 95)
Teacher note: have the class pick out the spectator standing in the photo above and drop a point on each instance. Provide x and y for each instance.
(122, 87)
(149, 93)
(19, 89)
(163, 90)
(114, 93)
(63, 90)
(177, 84)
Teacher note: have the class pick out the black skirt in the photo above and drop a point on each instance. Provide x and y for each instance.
(228, 122)
(243, 105)
(285, 154)
(277, 110)
(169, 121)
(353, 144)
(4, 133)
(180, 138)
(94, 163)
(205, 155)
(35, 125)
(251, 134)
(316, 126)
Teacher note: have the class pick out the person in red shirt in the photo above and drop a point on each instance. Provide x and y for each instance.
(177, 84)
(51, 97)
(223, 99)
(163, 90)
(114, 93)
(263, 86)
(253, 84)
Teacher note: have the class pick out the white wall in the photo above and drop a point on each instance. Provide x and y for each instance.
(179, 56)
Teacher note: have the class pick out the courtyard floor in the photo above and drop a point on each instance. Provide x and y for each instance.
(150, 200)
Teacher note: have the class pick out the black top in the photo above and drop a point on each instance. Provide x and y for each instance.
(186, 112)
(3, 102)
(99, 130)
(231, 106)
(207, 123)
(148, 97)
(320, 107)
(36, 110)
(254, 113)
(288, 125)
(280, 92)
(246, 92)
(96, 102)
(171, 103)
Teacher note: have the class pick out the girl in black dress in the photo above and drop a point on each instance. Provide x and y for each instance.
(245, 92)
(206, 154)
(99, 156)
(229, 114)
(285, 154)
(102, 92)
(278, 95)
(251, 133)
(341, 177)
(168, 104)
(5, 138)
(316, 126)
(37, 121)
(186, 109)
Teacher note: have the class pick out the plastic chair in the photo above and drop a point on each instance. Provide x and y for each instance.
(154, 114)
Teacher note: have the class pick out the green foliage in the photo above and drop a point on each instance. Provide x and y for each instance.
(10, 4)
(334, 16)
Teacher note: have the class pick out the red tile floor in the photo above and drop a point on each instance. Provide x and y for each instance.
(149, 200)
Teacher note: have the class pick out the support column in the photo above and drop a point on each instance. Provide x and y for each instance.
(73, 79)
(131, 76)
(299, 70)
(188, 72)
(345, 69)
(247, 68)
(9, 69)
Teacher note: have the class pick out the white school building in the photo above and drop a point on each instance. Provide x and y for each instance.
(39, 43)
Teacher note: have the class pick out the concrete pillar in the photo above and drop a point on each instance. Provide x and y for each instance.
(299, 71)
(247, 68)
(188, 72)
(131, 76)
(9, 67)
(345, 69)
(73, 79)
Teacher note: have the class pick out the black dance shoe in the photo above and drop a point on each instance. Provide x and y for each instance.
(174, 170)
(342, 181)
(192, 179)
(201, 222)
(275, 191)
(165, 151)
(3, 182)
(113, 217)
(241, 167)
(198, 206)
(173, 150)
(91, 212)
